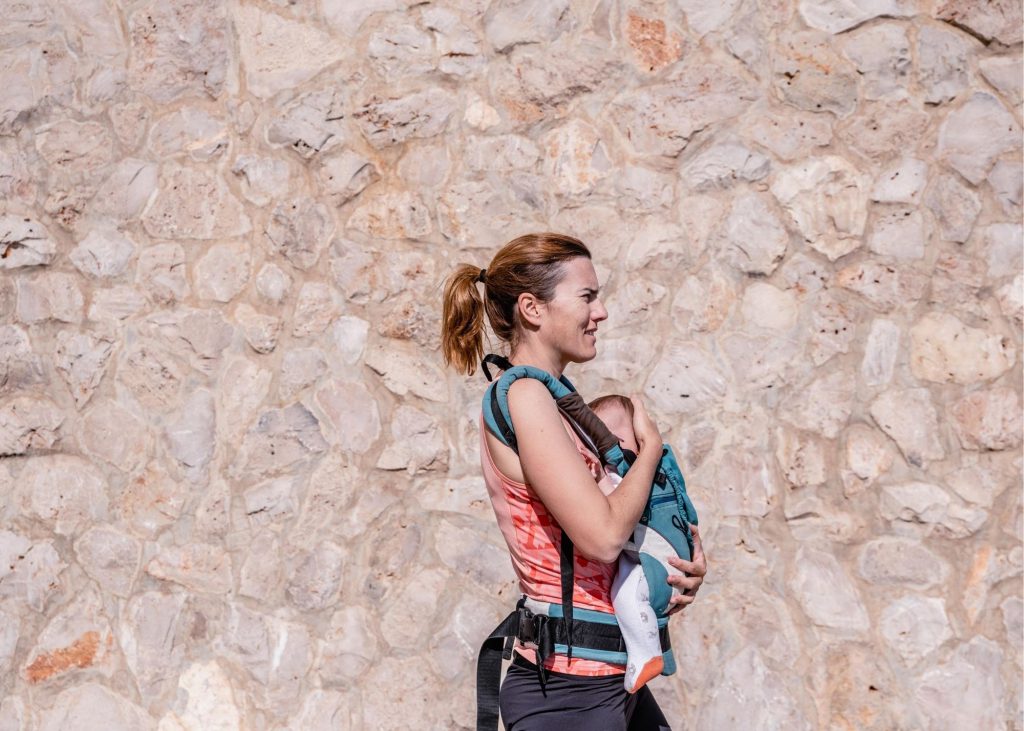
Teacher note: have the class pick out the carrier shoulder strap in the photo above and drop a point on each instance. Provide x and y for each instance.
(583, 421)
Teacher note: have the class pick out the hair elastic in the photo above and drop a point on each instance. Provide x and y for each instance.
(480, 276)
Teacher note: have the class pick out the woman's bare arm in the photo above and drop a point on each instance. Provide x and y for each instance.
(598, 525)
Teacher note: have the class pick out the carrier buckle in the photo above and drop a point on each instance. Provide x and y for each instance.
(527, 630)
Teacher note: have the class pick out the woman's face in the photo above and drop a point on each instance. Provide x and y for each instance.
(572, 315)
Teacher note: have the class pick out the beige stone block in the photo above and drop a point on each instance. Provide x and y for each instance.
(835, 16)
(823, 406)
(299, 229)
(989, 420)
(152, 635)
(884, 285)
(29, 424)
(393, 215)
(944, 349)
(199, 567)
(20, 366)
(223, 271)
(974, 669)
(24, 242)
(94, 707)
(115, 435)
(767, 307)
(661, 119)
(278, 52)
(210, 704)
(803, 458)
(809, 74)
(418, 443)
(975, 134)
(353, 416)
(901, 562)
(315, 579)
(930, 507)
(827, 198)
(178, 50)
(50, 296)
(789, 134)
(194, 203)
(999, 20)
(754, 238)
(279, 439)
(388, 119)
(882, 55)
(30, 571)
(161, 273)
(110, 557)
(189, 131)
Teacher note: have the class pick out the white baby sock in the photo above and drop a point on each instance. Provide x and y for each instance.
(638, 623)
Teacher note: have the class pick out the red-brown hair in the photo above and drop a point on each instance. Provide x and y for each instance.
(530, 263)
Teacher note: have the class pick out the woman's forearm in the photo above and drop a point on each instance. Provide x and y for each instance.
(627, 503)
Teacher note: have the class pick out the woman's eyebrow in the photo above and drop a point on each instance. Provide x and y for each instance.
(590, 290)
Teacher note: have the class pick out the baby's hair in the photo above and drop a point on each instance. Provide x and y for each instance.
(612, 398)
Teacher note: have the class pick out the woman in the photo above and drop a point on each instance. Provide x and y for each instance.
(540, 295)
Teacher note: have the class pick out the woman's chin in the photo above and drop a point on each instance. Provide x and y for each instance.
(586, 354)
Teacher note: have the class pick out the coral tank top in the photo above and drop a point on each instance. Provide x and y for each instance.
(533, 538)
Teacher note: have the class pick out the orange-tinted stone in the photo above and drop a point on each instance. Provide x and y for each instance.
(656, 47)
(79, 654)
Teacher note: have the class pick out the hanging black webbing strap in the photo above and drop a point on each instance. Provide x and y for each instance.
(565, 559)
(498, 645)
(499, 360)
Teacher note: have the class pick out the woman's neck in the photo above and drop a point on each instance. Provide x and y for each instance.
(524, 355)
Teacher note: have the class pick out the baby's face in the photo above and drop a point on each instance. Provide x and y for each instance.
(617, 419)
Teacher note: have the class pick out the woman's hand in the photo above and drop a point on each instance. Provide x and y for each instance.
(644, 428)
(688, 585)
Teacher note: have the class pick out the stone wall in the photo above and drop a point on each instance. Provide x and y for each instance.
(239, 489)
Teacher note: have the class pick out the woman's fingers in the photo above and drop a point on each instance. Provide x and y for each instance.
(681, 600)
(643, 426)
(689, 581)
(686, 584)
(693, 568)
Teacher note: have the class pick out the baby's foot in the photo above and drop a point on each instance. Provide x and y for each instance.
(636, 678)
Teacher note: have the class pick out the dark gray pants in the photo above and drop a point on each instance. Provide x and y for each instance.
(574, 703)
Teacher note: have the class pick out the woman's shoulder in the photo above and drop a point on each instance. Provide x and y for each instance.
(530, 403)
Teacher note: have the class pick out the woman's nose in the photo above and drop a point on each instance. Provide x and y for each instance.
(599, 313)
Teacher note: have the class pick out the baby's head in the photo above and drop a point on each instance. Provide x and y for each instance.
(617, 414)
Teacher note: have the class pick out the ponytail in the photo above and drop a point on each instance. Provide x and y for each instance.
(530, 263)
(462, 329)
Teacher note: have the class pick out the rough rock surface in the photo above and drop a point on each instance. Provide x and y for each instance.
(239, 488)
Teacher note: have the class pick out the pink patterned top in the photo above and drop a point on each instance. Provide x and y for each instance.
(533, 537)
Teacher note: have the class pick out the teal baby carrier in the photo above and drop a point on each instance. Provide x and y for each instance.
(663, 531)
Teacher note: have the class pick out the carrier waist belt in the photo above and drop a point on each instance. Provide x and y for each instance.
(544, 632)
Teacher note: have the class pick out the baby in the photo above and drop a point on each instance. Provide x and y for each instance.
(630, 593)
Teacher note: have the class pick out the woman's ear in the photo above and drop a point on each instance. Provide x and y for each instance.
(530, 309)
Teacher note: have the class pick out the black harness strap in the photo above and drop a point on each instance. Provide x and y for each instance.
(488, 670)
(499, 360)
(565, 560)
